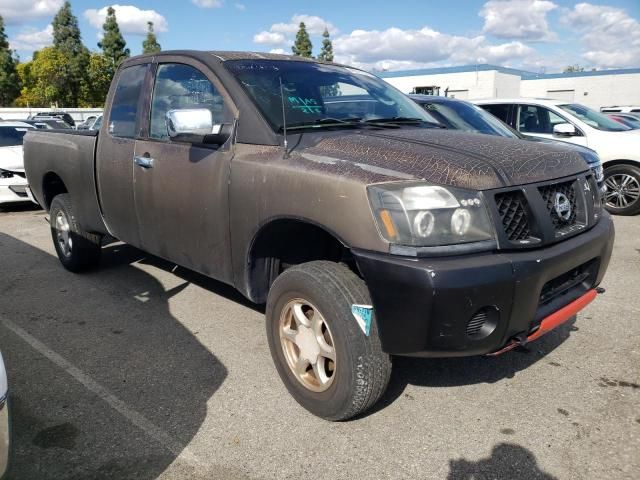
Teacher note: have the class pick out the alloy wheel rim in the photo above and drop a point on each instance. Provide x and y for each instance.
(623, 190)
(63, 233)
(307, 344)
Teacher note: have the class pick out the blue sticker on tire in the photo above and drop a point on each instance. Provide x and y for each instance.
(363, 315)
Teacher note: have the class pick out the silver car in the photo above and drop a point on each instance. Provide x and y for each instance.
(4, 421)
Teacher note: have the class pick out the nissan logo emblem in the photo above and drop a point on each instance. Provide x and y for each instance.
(562, 206)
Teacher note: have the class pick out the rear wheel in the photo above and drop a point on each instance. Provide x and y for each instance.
(325, 359)
(623, 189)
(77, 250)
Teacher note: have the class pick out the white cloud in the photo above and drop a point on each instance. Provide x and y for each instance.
(19, 11)
(240, 6)
(279, 51)
(270, 38)
(131, 19)
(403, 49)
(610, 36)
(518, 19)
(283, 33)
(207, 3)
(314, 25)
(397, 49)
(33, 39)
(504, 53)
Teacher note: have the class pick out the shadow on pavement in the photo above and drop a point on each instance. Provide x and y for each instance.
(507, 462)
(115, 326)
(453, 372)
(445, 372)
(214, 286)
(19, 207)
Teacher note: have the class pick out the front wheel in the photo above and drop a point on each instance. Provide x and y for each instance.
(623, 189)
(330, 363)
(77, 250)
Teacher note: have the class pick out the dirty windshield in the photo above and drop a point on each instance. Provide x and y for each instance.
(317, 95)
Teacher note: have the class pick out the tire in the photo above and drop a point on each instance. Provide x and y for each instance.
(360, 372)
(77, 250)
(623, 189)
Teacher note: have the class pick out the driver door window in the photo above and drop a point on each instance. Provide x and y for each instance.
(180, 87)
(537, 120)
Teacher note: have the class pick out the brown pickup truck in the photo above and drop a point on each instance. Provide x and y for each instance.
(366, 228)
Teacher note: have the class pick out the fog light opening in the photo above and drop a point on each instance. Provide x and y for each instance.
(483, 323)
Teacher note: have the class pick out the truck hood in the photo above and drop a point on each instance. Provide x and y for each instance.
(12, 159)
(444, 157)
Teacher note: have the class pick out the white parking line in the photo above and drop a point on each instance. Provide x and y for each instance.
(137, 419)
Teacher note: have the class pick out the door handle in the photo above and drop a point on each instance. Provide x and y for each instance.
(144, 162)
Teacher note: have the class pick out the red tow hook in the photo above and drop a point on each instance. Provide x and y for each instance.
(554, 320)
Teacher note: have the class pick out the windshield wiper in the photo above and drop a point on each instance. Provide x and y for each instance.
(324, 122)
(402, 121)
(385, 122)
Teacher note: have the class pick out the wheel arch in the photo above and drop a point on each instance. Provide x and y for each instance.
(281, 242)
(613, 163)
(52, 185)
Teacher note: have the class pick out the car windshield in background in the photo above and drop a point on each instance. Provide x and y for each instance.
(594, 119)
(467, 117)
(629, 121)
(317, 95)
(12, 136)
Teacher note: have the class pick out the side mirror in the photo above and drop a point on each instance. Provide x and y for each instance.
(564, 130)
(196, 125)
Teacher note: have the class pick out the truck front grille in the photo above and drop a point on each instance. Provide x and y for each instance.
(565, 282)
(513, 212)
(549, 192)
(544, 213)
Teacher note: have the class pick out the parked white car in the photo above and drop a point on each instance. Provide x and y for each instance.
(5, 441)
(617, 146)
(13, 180)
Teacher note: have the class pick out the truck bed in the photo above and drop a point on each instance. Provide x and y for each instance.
(71, 155)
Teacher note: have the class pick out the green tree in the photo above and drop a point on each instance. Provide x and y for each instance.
(44, 79)
(96, 86)
(326, 53)
(150, 44)
(68, 41)
(9, 78)
(113, 44)
(303, 46)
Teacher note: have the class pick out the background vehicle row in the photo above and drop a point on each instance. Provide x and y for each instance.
(617, 145)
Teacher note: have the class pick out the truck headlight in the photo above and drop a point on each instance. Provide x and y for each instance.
(599, 173)
(429, 215)
(594, 162)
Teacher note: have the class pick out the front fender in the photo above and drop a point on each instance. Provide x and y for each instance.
(266, 186)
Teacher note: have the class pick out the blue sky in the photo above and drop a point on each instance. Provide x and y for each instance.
(540, 35)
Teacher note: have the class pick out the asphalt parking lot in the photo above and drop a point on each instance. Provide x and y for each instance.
(141, 370)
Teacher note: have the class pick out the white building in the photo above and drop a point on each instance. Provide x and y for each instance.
(594, 89)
